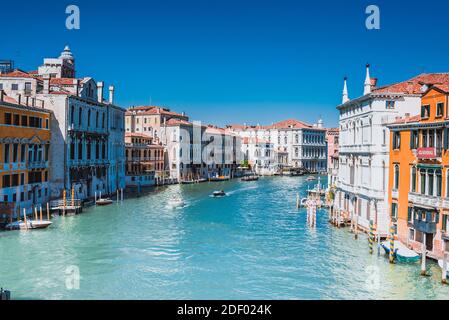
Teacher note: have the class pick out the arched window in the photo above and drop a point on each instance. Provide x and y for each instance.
(396, 177)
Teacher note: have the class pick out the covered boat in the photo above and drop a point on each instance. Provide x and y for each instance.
(30, 224)
(176, 203)
(402, 253)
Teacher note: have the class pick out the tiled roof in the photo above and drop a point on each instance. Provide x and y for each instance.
(62, 81)
(178, 122)
(151, 110)
(405, 120)
(286, 124)
(19, 74)
(414, 85)
(247, 140)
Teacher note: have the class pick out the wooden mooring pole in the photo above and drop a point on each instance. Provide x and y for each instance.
(371, 236)
(392, 244)
(25, 218)
(48, 211)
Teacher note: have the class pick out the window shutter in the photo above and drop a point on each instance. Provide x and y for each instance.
(446, 139)
(412, 140)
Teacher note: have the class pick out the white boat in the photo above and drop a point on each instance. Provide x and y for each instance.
(440, 263)
(104, 202)
(30, 224)
(402, 253)
(176, 203)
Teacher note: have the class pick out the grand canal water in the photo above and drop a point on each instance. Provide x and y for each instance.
(252, 244)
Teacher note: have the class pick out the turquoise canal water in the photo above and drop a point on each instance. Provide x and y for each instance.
(252, 244)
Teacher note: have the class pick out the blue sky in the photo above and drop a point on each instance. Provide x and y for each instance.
(233, 61)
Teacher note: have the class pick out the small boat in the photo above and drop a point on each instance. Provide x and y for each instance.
(188, 182)
(30, 224)
(176, 203)
(219, 178)
(218, 194)
(104, 202)
(440, 263)
(250, 178)
(311, 178)
(402, 253)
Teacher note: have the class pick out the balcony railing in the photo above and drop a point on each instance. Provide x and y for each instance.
(425, 200)
(429, 153)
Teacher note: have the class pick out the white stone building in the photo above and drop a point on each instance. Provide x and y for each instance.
(296, 144)
(260, 155)
(364, 148)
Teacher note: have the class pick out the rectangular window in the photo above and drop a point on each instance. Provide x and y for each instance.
(396, 140)
(47, 123)
(24, 121)
(439, 183)
(425, 112)
(14, 87)
(390, 104)
(16, 120)
(15, 180)
(6, 181)
(423, 182)
(6, 153)
(22, 179)
(15, 152)
(394, 211)
(22, 152)
(430, 184)
(440, 109)
(409, 215)
(7, 118)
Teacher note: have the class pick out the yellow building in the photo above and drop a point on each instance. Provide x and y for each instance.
(24, 155)
(419, 174)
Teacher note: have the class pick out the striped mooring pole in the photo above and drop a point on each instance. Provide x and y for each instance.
(392, 244)
(371, 236)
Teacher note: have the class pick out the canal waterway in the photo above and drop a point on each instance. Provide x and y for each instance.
(252, 244)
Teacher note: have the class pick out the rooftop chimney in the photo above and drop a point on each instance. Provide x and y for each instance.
(2, 94)
(100, 86)
(19, 99)
(46, 89)
(111, 94)
(367, 86)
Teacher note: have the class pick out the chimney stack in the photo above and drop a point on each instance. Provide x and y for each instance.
(2, 94)
(100, 86)
(111, 94)
(19, 99)
(46, 85)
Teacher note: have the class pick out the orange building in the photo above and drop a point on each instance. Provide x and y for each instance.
(419, 174)
(24, 154)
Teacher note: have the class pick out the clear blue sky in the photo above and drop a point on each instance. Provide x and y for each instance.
(233, 61)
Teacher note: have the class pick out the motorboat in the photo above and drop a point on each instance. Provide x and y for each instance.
(250, 178)
(218, 194)
(311, 178)
(176, 203)
(402, 253)
(30, 224)
(104, 202)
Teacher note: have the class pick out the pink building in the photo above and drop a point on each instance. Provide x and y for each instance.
(332, 154)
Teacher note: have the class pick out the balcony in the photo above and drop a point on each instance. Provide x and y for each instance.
(425, 226)
(425, 200)
(395, 194)
(37, 164)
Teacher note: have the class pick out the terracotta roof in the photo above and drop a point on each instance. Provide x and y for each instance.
(137, 135)
(443, 87)
(178, 122)
(405, 120)
(247, 140)
(19, 74)
(286, 124)
(151, 110)
(62, 81)
(414, 85)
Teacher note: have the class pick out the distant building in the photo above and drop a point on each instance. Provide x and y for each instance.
(24, 155)
(260, 155)
(148, 120)
(144, 160)
(332, 136)
(6, 66)
(296, 144)
(88, 132)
